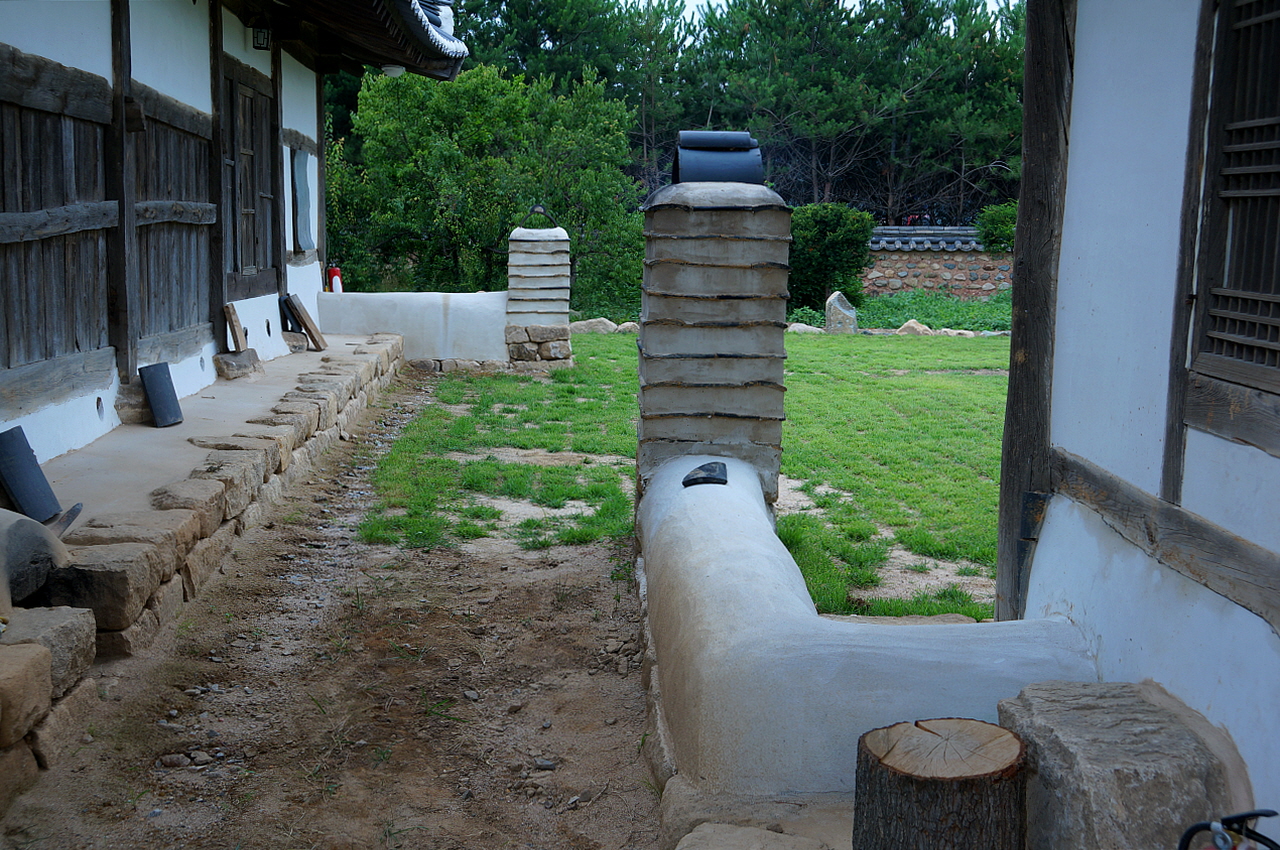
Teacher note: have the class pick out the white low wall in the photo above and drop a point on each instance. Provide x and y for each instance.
(761, 695)
(435, 325)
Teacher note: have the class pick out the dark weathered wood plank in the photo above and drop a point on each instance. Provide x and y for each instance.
(1204, 552)
(58, 221)
(1241, 414)
(1025, 458)
(38, 83)
(179, 212)
(24, 389)
(175, 113)
(216, 272)
(173, 346)
(304, 318)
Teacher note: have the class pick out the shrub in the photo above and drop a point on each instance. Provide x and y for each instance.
(831, 245)
(807, 316)
(996, 225)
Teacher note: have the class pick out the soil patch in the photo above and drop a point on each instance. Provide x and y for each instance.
(325, 693)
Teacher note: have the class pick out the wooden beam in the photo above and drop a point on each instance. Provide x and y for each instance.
(58, 221)
(298, 141)
(175, 345)
(38, 83)
(175, 113)
(278, 172)
(1237, 413)
(1187, 543)
(239, 340)
(1193, 188)
(1046, 115)
(123, 319)
(322, 153)
(180, 212)
(24, 389)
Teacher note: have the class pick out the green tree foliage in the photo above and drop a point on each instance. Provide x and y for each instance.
(830, 247)
(450, 168)
(996, 225)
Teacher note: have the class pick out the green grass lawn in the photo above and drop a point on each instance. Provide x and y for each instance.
(905, 430)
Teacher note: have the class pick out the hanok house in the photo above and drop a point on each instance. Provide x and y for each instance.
(162, 159)
(1141, 477)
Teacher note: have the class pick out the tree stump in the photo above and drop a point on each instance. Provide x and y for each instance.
(947, 784)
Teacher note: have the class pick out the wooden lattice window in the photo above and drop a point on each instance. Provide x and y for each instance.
(251, 160)
(1238, 328)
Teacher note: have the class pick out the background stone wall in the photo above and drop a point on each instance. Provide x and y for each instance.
(968, 274)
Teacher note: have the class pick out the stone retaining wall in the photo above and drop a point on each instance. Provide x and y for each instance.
(132, 573)
(968, 274)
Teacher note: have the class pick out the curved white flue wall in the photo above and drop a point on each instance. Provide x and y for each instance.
(761, 695)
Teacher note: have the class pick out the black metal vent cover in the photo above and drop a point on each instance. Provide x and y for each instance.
(717, 157)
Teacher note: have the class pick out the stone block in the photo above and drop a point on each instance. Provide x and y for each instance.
(688, 310)
(547, 333)
(167, 601)
(761, 222)
(659, 339)
(628, 328)
(842, 318)
(914, 328)
(802, 328)
(183, 526)
(283, 436)
(18, 772)
(131, 405)
(28, 551)
(115, 581)
(68, 634)
(242, 473)
(752, 402)
(1109, 768)
(238, 364)
(718, 370)
(25, 688)
(342, 386)
(558, 350)
(159, 539)
(675, 278)
(297, 342)
(325, 402)
(270, 447)
(494, 365)
(515, 333)
(723, 836)
(65, 724)
(130, 641)
(303, 419)
(431, 367)
(523, 351)
(592, 326)
(206, 559)
(203, 496)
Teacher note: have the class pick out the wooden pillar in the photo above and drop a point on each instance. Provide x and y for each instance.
(123, 321)
(1024, 472)
(217, 170)
(278, 170)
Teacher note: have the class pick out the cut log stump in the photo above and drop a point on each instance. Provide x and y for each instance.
(946, 784)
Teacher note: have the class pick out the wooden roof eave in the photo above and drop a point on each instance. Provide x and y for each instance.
(378, 32)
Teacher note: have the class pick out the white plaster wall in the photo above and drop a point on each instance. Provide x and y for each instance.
(260, 318)
(298, 95)
(74, 32)
(233, 42)
(435, 325)
(59, 428)
(1120, 239)
(1145, 621)
(1233, 485)
(171, 49)
(306, 282)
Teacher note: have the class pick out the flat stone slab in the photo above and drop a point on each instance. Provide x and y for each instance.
(723, 836)
(68, 633)
(1109, 768)
(24, 690)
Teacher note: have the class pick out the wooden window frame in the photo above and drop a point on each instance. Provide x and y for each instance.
(1224, 396)
(251, 279)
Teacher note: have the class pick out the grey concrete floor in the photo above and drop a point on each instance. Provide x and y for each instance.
(118, 471)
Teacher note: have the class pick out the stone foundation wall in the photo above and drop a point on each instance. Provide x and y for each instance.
(122, 577)
(968, 274)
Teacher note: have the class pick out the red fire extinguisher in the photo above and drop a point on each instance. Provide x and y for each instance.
(333, 279)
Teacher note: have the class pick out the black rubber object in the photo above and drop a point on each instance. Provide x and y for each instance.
(22, 478)
(161, 395)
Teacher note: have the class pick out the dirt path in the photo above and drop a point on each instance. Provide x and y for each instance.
(325, 693)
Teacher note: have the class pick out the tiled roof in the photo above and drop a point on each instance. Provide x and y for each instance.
(925, 239)
(415, 34)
